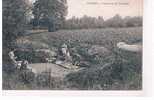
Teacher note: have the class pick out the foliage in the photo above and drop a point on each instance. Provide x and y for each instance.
(120, 72)
(51, 13)
(123, 69)
(116, 21)
(14, 19)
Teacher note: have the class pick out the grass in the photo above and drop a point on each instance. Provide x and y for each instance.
(25, 80)
(120, 70)
(90, 36)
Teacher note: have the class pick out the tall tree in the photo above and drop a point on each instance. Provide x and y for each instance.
(14, 19)
(115, 21)
(52, 12)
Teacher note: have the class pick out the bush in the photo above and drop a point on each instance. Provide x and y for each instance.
(14, 19)
(26, 76)
(120, 71)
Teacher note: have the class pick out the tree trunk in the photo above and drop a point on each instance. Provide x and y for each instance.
(51, 27)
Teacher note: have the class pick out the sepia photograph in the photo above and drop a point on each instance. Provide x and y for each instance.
(72, 45)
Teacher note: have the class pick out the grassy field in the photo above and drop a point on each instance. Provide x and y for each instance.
(120, 70)
(106, 37)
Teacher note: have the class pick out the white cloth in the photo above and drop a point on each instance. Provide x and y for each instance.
(127, 47)
(64, 51)
(11, 54)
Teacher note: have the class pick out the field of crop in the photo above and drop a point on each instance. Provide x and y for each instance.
(118, 70)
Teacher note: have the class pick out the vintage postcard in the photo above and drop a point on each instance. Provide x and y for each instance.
(72, 45)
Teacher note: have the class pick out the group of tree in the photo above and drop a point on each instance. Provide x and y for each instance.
(99, 22)
(17, 15)
(49, 13)
(84, 22)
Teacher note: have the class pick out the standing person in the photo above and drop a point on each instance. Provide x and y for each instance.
(64, 49)
(65, 52)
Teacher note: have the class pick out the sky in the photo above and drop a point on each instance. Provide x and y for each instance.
(105, 8)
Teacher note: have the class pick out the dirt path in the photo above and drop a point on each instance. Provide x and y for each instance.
(56, 70)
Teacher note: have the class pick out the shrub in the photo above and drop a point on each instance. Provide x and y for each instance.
(26, 76)
(118, 70)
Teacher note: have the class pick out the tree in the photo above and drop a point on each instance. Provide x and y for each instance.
(98, 22)
(52, 12)
(133, 21)
(14, 19)
(115, 21)
(84, 22)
